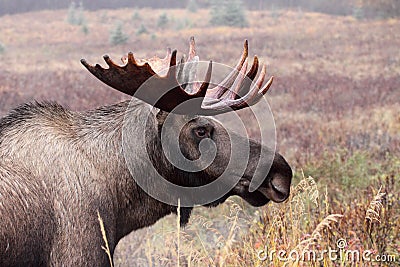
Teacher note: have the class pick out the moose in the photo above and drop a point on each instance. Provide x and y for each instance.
(60, 169)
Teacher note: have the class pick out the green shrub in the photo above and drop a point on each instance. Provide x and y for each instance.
(228, 13)
(162, 20)
(2, 48)
(85, 29)
(358, 13)
(136, 16)
(117, 36)
(75, 14)
(142, 30)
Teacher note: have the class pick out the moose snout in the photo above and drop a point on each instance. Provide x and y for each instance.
(276, 186)
(277, 190)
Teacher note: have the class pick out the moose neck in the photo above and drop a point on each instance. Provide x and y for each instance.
(101, 133)
(80, 158)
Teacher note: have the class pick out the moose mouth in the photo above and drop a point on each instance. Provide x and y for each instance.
(266, 192)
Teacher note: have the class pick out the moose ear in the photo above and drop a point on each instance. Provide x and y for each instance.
(161, 117)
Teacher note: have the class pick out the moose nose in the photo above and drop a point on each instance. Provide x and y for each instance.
(277, 186)
(277, 189)
(280, 187)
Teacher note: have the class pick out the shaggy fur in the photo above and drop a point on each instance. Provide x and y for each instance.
(58, 167)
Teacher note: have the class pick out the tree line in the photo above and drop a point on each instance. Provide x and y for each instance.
(20, 6)
(362, 8)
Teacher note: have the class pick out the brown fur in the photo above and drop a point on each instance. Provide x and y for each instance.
(57, 168)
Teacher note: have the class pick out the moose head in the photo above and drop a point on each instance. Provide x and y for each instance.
(164, 83)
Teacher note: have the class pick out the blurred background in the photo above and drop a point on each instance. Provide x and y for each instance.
(335, 99)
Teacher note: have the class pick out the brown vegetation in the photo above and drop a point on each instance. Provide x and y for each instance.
(335, 99)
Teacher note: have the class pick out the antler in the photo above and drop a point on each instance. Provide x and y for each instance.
(172, 92)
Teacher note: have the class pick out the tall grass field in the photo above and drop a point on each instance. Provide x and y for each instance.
(336, 104)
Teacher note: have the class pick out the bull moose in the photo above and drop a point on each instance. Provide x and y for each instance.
(59, 169)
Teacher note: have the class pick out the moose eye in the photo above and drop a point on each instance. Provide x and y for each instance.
(200, 132)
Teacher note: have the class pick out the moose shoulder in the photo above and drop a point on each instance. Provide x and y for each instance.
(60, 168)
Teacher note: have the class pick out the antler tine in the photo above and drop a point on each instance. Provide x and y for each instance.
(254, 69)
(261, 77)
(245, 88)
(172, 63)
(192, 49)
(220, 89)
(252, 96)
(128, 59)
(131, 58)
(255, 93)
(109, 62)
(237, 84)
(180, 74)
(190, 71)
(266, 87)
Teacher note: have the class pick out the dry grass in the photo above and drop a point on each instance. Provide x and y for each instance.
(307, 221)
(373, 211)
(106, 248)
(335, 100)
